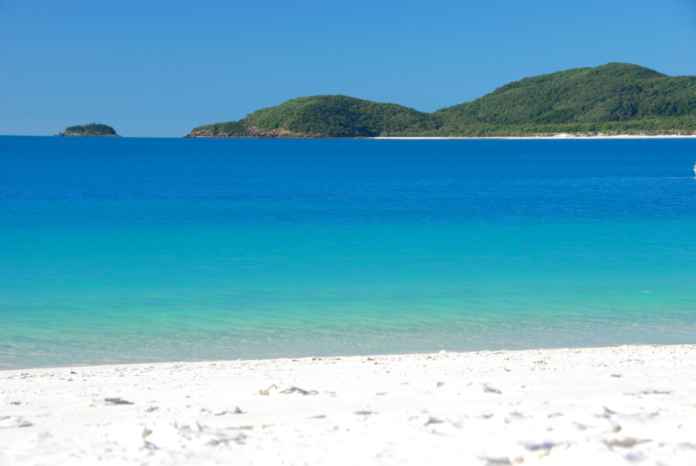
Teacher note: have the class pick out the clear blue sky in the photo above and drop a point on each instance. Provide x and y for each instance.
(152, 67)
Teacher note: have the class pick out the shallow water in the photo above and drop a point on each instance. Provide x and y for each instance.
(116, 250)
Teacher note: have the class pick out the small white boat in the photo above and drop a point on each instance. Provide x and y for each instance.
(695, 170)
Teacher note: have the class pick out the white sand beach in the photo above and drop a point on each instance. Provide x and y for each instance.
(559, 136)
(601, 406)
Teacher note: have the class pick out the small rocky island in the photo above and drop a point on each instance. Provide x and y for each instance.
(91, 129)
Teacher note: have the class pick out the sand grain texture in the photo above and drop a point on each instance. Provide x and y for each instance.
(621, 405)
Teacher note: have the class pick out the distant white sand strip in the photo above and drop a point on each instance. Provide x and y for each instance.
(603, 406)
(560, 136)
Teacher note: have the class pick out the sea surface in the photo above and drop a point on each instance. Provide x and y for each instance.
(133, 250)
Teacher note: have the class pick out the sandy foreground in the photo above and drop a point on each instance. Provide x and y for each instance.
(620, 405)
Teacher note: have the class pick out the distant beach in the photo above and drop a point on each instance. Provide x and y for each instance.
(560, 136)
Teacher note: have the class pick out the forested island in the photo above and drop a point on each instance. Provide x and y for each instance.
(616, 98)
(91, 129)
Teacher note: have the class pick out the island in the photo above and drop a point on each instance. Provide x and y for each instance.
(91, 129)
(612, 99)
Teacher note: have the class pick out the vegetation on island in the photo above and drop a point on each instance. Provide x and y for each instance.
(91, 129)
(615, 98)
(326, 116)
(612, 98)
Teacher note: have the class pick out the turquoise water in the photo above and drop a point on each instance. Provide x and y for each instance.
(120, 250)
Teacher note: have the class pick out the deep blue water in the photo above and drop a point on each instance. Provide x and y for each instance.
(116, 250)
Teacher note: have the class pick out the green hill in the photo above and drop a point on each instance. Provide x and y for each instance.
(614, 98)
(610, 98)
(91, 129)
(324, 116)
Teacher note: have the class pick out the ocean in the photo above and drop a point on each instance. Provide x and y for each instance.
(135, 250)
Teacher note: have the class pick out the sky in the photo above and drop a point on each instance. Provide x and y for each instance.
(159, 68)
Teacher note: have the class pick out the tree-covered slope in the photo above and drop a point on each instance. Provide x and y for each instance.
(324, 116)
(613, 98)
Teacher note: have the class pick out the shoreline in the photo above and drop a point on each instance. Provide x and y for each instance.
(609, 405)
(557, 137)
(157, 364)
